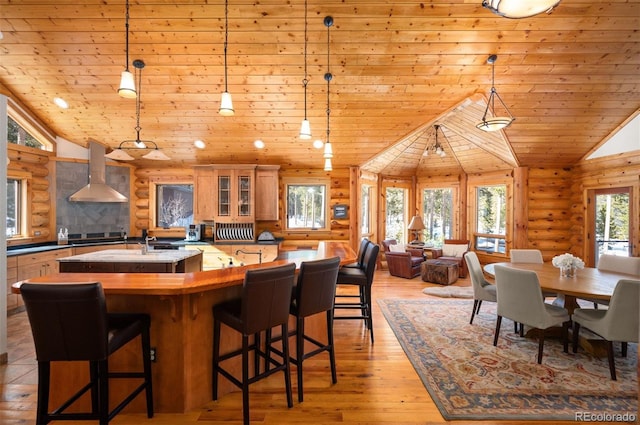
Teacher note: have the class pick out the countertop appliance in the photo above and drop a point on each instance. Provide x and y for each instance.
(195, 233)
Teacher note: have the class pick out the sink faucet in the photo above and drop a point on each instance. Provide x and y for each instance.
(258, 253)
(145, 247)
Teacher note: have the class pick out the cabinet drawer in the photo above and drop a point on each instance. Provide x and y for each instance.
(43, 257)
(86, 267)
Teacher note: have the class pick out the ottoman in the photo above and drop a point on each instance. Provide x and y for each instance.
(439, 271)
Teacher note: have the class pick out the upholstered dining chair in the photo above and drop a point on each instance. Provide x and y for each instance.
(520, 299)
(482, 290)
(526, 256)
(70, 322)
(617, 323)
(620, 264)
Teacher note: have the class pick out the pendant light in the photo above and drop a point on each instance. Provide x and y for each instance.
(127, 85)
(305, 127)
(155, 153)
(497, 122)
(328, 150)
(226, 103)
(517, 9)
(436, 148)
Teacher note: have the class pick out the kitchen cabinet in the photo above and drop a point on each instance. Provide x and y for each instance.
(133, 261)
(267, 193)
(234, 194)
(204, 208)
(40, 263)
(13, 300)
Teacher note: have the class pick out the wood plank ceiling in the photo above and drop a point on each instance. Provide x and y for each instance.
(570, 78)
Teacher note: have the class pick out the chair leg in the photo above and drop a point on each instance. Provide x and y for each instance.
(612, 362)
(369, 310)
(245, 379)
(541, 345)
(332, 351)
(94, 376)
(475, 309)
(146, 363)
(498, 323)
(300, 353)
(44, 376)
(287, 363)
(624, 349)
(103, 371)
(216, 355)
(576, 331)
(565, 336)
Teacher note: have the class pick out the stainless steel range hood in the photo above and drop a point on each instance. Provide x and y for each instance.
(97, 189)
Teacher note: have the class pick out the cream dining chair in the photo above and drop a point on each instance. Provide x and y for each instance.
(526, 256)
(482, 290)
(520, 299)
(619, 264)
(618, 323)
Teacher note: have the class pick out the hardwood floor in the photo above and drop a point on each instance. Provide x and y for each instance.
(376, 384)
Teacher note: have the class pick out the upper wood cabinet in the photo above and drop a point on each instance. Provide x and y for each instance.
(203, 200)
(267, 192)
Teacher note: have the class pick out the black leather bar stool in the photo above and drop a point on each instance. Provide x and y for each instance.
(314, 293)
(70, 322)
(264, 304)
(361, 251)
(363, 278)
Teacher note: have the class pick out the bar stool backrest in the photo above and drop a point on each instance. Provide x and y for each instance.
(315, 291)
(369, 263)
(266, 297)
(68, 321)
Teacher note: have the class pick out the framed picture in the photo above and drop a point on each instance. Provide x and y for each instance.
(340, 211)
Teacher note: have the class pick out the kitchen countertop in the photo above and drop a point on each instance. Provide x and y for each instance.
(131, 256)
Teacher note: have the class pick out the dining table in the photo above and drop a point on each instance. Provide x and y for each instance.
(588, 283)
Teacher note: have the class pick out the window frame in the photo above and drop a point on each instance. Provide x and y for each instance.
(30, 125)
(406, 187)
(455, 212)
(24, 207)
(287, 182)
(473, 218)
(153, 207)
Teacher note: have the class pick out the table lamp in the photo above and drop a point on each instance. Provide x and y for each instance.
(416, 226)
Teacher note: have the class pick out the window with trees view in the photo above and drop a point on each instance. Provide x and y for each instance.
(14, 203)
(612, 222)
(437, 214)
(491, 218)
(174, 205)
(365, 219)
(18, 135)
(307, 206)
(396, 221)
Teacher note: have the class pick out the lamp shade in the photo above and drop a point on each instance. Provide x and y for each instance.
(327, 164)
(518, 8)
(305, 130)
(157, 155)
(127, 85)
(494, 124)
(416, 223)
(119, 155)
(226, 105)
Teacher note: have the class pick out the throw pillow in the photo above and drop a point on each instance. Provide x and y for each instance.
(451, 250)
(396, 248)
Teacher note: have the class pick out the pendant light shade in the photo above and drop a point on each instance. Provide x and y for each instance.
(327, 164)
(226, 103)
(497, 122)
(127, 87)
(305, 129)
(517, 9)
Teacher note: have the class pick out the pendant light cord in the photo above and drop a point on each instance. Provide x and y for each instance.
(126, 28)
(305, 81)
(328, 21)
(226, 40)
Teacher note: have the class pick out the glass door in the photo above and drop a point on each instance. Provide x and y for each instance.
(612, 213)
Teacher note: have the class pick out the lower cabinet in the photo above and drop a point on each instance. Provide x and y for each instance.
(102, 267)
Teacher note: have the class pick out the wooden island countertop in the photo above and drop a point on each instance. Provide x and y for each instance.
(180, 306)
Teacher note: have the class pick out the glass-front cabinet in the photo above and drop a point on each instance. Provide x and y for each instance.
(235, 197)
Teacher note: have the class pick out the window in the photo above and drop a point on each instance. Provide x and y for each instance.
(365, 219)
(396, 220)
(491, 218)
(437, 214)
(174, 205)
(18, 135)
(612, 224)
(307, 206)
(13, 207)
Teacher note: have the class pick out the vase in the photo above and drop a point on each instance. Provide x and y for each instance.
(567, 271)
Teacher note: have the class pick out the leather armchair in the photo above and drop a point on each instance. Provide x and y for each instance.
(463, 271)
(403, 264)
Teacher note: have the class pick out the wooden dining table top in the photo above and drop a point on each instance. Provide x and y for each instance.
(589, 282)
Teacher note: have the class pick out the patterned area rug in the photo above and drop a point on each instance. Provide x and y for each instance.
(469, 378)
(449, 291)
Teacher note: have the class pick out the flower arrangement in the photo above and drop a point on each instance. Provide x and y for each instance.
(567, 264)
(567, 260)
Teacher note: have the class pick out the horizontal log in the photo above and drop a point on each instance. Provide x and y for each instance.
(142, 214)
(142, 193)
(39, 220)
(548, 234)
(43, 232)
(40, 196)
(555, 246)
(142, 203)
(38, 183)
(551, 203)
(550, 173)
(40, 208)
(557, 214)
(549, 193)
(142, 224)
(27, 157)
(548, 225)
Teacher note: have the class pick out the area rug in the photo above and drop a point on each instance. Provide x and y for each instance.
(449, 291)
(468, 378)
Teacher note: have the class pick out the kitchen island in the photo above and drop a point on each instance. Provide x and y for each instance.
(181, 328)
(133, 261)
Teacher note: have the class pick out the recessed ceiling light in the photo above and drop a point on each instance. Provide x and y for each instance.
(258, 144)
(61, 102)
(199, 144)
(318, 144)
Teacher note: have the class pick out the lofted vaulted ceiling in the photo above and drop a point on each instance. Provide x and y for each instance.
(570, 78)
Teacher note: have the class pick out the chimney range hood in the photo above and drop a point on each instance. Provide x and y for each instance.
(97, 189)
